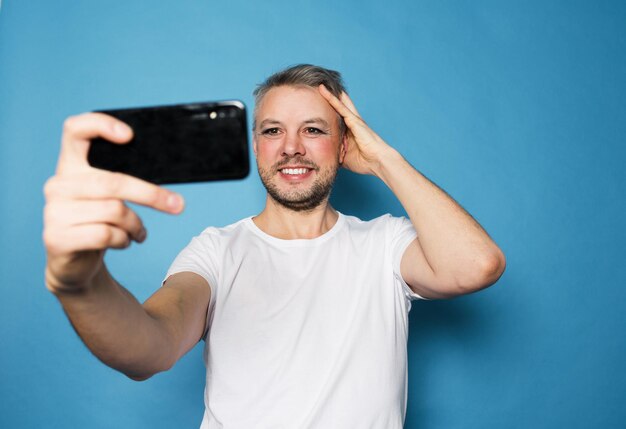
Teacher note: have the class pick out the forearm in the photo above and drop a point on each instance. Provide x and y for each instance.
(458, 250)
(117, 329)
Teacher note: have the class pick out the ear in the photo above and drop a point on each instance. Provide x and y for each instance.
(343, 147)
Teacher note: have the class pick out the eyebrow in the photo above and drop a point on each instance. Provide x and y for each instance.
(270, 121)
(317, 121)
(266, 122)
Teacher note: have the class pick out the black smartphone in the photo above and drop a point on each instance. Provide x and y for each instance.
(181, 143)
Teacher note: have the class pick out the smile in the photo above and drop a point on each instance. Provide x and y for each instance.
(294, 171)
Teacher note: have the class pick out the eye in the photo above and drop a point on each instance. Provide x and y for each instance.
(270, 132)
(314, 131)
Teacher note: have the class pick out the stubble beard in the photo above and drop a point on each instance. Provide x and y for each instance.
(304, 200)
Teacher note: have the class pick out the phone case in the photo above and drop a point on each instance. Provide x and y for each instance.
(179, 143)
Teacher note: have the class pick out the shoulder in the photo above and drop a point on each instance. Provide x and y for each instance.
(212, 240)
(384, 223)
(204, 252)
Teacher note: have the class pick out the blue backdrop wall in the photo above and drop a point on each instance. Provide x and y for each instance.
(515, 108)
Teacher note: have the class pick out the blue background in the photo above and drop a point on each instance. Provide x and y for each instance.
(517, 109)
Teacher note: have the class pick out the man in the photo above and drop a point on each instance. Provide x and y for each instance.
(303, 309)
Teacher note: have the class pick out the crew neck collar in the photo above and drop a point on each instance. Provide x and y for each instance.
(298, 241)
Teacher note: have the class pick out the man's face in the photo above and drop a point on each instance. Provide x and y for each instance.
(298, 146)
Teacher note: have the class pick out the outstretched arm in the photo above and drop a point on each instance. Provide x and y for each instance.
(453, 254)
(86, 214)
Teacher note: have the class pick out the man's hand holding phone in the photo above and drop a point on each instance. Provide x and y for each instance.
(85, 211)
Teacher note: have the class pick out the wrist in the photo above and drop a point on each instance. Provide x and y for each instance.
(61, 288)
(387, 161)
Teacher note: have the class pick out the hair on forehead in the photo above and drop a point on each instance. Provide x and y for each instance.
(302, 75)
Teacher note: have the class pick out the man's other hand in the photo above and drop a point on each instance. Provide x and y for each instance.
(365, 150)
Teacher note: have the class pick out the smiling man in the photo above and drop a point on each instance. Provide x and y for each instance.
(297, 129)
(303, 310)
(298, 142)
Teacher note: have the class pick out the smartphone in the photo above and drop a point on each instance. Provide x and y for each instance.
(193, 142)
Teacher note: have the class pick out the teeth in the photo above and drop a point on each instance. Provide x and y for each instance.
(294, 170)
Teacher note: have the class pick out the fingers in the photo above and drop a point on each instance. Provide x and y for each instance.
(78, 226)
(344, 107)
(75, 179)
(345, 99)
(80, 238)
(79, 130)
(85, 207)
(99, 184)
(90, 125)
(65, 214)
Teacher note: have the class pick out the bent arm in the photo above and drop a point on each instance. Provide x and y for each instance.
(453, 254)
(139, 340)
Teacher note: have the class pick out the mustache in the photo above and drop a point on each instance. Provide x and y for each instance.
(296, 159)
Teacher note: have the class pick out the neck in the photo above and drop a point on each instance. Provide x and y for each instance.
(281, 222)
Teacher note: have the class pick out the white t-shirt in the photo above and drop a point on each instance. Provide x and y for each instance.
(304, 333)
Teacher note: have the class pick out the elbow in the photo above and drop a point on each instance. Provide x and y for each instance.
(493, 267)
(490, 268)
(480, 272)
(139, 377)
(486, 271)
(142, 374)
(142, 370)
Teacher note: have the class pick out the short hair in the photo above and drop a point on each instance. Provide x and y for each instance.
(302, 75)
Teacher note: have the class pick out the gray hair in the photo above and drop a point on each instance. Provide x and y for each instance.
(302, 75)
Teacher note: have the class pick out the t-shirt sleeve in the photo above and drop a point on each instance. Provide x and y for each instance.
(402, 234)
(198, 257)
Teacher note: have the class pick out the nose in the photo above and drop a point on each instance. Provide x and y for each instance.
(293, 145)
